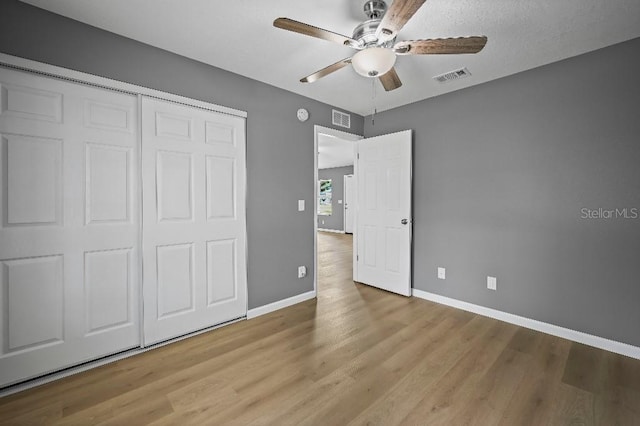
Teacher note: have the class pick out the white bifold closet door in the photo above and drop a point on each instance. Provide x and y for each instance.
(69, 224)
(194, 232)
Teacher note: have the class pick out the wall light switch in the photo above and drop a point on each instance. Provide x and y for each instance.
(492, 283)
(300, 205)
(441, 273)
(302, 271)
(339, 201)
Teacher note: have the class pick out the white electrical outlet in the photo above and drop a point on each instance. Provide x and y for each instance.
(300, 205)
(302, 271)
(492, 283)
(441, 273)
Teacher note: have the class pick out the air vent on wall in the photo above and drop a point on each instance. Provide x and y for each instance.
(452, 75)
(341, 119)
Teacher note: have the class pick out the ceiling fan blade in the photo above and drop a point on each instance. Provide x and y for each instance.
(396, 17)
(309, 30)
(390, 80)
(326, 71)
(441, 46)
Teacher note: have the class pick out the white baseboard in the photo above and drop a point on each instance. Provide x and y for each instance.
(554, 330)
(335, 231)
(280, 304)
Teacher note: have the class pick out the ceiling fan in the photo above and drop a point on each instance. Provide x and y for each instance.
(375, 40)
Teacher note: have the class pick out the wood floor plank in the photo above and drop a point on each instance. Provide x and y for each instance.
(296, 408)
(618, 406)
(355, 355)
(617, 401)
(534, 398)
(484, 402)
(149, 410)
(624, 371)
(353, 400)
(421, 371)
(440, 403)
(218, 393)
(525, 340)
(583, 369)
(45, 415)
(573, 406)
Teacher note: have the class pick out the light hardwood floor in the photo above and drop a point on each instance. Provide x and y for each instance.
(356, 356)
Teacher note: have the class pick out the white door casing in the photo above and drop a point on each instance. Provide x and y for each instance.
(349, 203)
(382, 256)
(194, 235)
(69, 224)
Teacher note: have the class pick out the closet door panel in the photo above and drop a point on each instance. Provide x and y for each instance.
(194, 237)
(69, 226)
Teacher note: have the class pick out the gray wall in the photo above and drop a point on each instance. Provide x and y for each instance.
(280, 152)
(502, 172)
(336, 174)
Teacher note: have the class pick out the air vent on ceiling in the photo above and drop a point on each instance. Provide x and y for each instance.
(452, 75)
(341, 119)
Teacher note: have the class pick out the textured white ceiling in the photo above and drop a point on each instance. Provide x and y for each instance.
(239, 36)
(334, 152)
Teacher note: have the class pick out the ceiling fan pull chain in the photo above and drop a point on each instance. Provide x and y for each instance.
(373, 102)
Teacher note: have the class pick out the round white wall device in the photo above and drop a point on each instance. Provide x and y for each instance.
(303, 114)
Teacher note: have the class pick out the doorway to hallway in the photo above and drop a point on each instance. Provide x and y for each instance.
(335, 155)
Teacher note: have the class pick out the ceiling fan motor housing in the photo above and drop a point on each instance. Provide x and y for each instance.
(365, 33)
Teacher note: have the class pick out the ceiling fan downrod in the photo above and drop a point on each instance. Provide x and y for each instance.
(375, 9)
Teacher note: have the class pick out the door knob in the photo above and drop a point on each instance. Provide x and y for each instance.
(404, 221)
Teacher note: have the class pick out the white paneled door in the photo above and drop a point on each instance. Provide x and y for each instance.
(69, 224)
(383, 220)
(194, 233)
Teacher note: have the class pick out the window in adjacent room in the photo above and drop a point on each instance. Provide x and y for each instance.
(324, 197)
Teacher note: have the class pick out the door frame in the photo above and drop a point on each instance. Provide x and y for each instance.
(351, 137)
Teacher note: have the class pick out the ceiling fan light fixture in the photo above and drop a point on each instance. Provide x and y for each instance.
(373, 61)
